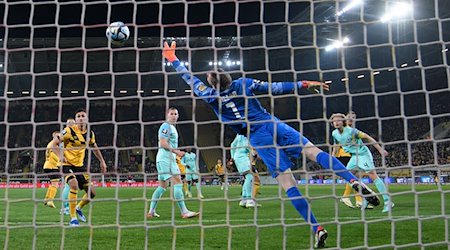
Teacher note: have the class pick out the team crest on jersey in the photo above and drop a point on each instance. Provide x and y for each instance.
(202, 87)
(165, 131)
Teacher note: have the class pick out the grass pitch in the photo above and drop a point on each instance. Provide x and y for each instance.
(116, 219)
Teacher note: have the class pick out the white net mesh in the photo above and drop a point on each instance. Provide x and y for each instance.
(394, 75)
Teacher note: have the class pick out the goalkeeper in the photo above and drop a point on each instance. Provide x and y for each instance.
(229, 100)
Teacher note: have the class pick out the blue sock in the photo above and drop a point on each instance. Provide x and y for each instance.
(323, 159)
(179, 197)
(155, 197)
(302, 207)
(382, 189)
(65, 195)
(247, 186)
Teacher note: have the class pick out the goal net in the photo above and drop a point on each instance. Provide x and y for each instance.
(388, 61)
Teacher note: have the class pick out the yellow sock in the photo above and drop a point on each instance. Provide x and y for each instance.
(185, 187)
(84, 201)
(73, 202)
(255, 189)
(348, 190)
(51, 193)
(358, 198)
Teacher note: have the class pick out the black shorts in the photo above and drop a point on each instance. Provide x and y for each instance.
(222, 178)
(80, 173)
(344, 160)
(183, 176)
(53, 174)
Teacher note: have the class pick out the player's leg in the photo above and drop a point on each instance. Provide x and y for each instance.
(243, 165)
(198, 185)
(388, 204)
(89, 189)
(179, 198)
(54, 177)
(278, 164)
(189, 182)
(164, 176)
(65, 198)
(185, 184)
(71, 180)
(256, 184)
(348, 189)
(178, 192)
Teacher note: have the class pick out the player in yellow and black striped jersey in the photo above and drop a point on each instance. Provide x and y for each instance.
(220, 171)
(52, 169)
(182, 168)
(75, 140)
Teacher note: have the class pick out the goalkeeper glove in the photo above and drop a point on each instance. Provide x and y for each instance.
(169, 52)
(314, 86)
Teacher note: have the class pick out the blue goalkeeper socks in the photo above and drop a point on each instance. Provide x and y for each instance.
(155, 198)
(65, 196)
(323, 159)
(302, 207)
(382, 189)
(179, 197)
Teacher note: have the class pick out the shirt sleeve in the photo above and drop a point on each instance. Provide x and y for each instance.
(164, 131)
(198, 87)
(276, 88)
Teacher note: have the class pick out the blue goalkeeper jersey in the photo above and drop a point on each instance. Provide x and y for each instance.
(230, 105)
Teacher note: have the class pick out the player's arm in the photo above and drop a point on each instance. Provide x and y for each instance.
(97, 152)
(372, 141)
(57, 140)
(165, 144)
(280, 88)
(99, 156)
(200, 88)
(335, 147)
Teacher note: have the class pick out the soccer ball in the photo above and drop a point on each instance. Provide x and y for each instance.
(117, 33)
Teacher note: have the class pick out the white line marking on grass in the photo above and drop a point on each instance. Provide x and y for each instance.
(210, 221)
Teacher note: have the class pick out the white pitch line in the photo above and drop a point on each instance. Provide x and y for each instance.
(220, 221)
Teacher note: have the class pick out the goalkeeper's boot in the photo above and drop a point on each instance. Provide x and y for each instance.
(321, 237)
(347, 202)
(388, 206)
(50, 204)
(368, 193)
(190, 214)
(74, 222)
(81, 215)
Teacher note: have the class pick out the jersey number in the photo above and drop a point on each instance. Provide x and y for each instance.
(232, 106)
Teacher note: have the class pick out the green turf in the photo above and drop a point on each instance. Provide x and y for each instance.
(418, 218)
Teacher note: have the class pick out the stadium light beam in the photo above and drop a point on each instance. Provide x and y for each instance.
(397, 11)
(349, 6)
(337, 44)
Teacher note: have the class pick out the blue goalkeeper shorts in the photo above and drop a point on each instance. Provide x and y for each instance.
(276, 159)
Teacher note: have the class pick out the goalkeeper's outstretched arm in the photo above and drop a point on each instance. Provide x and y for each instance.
(200, 88)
